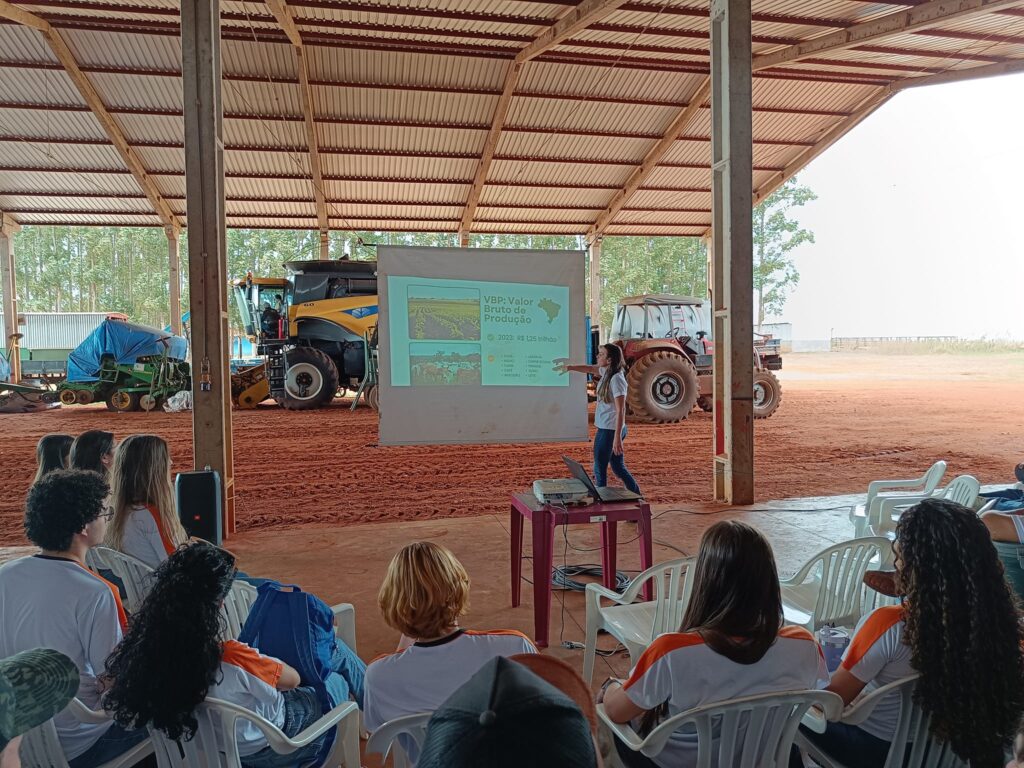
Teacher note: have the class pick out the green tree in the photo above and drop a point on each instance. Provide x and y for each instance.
(776, 234)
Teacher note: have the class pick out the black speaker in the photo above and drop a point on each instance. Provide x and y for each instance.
(199, 505)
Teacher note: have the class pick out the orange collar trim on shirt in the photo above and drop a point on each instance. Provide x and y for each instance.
(252, 661)
(164, 538)
(122, 617)
(878, 623)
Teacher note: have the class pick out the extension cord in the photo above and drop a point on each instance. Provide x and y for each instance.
(572, 645)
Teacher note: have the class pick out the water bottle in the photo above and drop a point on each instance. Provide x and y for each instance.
(833, 642)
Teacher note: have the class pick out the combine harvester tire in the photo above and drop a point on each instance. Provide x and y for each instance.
(311, 380)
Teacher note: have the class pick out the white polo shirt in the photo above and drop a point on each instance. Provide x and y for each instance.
(144, 537)
(421, 677)
(604, 413)
(678, 667)
(877, 656)
(56, 603)
(250, 679)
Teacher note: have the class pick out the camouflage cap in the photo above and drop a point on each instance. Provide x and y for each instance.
(34, 686)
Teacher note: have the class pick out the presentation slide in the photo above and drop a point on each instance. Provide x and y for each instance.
(462, 333)
(468, 343)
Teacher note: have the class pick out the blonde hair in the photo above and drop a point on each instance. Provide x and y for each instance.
(425, 590)
(141, 476)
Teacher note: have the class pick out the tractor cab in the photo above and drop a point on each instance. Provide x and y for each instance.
(262, 303)
(663, 316)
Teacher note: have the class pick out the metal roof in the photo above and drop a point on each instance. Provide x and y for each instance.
(403, 95)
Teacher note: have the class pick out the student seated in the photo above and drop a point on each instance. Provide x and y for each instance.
(1007, 532)
(731, 643)
(425, 592)
(93, 450)
(145, 523)
(51, 600)
(958, 626)
(181, 616)
(52, 453)
(506, 716)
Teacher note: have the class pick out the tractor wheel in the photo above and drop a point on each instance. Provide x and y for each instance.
(663, 387)
(68, 397)
(121, 401)
(84, 396)
(150, 402)
(706, 403)
(310, 381)
(372, 396)
(767, 394)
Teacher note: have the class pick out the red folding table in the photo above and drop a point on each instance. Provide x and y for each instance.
(544, 518)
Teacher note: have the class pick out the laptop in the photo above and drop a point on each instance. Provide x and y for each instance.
(604, 494)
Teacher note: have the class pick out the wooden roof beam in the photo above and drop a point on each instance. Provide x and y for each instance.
(8, 224)
(914, 19)
(651, 160)
(283, 14)
(92, 98)
(576, 20)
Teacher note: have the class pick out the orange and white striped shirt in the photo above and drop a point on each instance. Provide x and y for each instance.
(681, 669)
(145, 538)
(421, 677)
(249, 679)
(877, 656)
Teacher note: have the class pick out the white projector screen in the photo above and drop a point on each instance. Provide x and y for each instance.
(467, 340)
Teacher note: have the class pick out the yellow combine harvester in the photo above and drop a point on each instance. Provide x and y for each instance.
(311, 326)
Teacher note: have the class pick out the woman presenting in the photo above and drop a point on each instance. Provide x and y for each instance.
(609, 415)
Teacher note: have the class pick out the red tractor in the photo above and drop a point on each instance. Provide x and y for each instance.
(667, 345)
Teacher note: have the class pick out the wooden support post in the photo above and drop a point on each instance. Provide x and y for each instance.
(174, 278)
(10, 289)
(595, 283)
(207, 244)
(731, 216)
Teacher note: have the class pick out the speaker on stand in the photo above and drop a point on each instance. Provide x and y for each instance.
(199, 506)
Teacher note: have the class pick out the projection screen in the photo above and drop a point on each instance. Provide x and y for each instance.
(467, 340)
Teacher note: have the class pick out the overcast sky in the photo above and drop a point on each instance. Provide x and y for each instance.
(919, 221)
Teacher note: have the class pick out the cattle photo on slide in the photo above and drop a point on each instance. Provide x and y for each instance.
(312, 328)
(667, 346)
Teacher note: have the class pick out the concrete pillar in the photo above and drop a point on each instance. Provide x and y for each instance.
(10, 290)
(732, 244)
(207, 244)
(174, 278)
(595, 283)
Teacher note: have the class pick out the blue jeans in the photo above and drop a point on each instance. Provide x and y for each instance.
(603, 442)
(854, 746)
(350, 671)
(301, 710)
(1012, 557)
(114, 743)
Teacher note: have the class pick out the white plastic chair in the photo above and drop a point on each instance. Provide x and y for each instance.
(136, 576)
(749, 731)
(911, 731)
(636, 624)
(236, 608)
(829, 588)
(212, 749)
(386, 738)
(963, 490)
(861, 515)
(40, 747)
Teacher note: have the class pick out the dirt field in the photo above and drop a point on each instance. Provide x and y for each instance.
(845, 420)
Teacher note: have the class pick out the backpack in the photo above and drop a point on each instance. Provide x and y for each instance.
(297, 628)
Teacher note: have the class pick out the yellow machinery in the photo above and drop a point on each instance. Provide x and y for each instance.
(312, 327)
(250, 387)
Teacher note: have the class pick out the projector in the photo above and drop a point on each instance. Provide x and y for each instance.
(565, 490)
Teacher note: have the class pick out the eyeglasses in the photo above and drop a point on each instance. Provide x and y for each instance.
(108, 515)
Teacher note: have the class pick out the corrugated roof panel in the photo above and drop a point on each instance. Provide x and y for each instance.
(268, 163)
(264, 132)
(95, 48)
(156, 128)
(448, 194)
(378, 166)
(65, 203)
(171, 186)
(797, 94)
(607, 82)
(23, 44)
(647, 230)
(59, 181)
(138, 91)
(92, 219)
(588, 148)
(48, 155)
(42, 124)
(377, 137)
(267, 208)
(266, 189)
(397, 225)
(586, 116)
(404, 105)
(37, 86)
(260, 97)
(520, 215)
(663, 218)
(680, 177)
(646, 198)
(268, 60)
(363, 211)
(526, 196)
(157, 160)
(485, 227)
(558, 173)
(399, 67)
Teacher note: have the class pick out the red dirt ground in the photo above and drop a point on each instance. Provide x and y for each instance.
(845, 420)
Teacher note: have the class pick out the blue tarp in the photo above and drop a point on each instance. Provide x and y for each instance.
(5, 369)
(126, 343)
